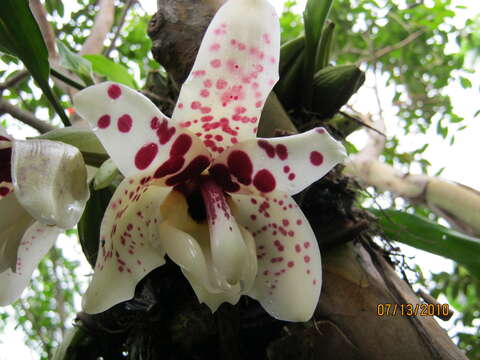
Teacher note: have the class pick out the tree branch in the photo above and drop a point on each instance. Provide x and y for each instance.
(120, 25)
(387, 49)
(25, 117)
(158, 98)
(40, 15)
(456, 203)
(101, 27)
(14, 80)
(359, 121)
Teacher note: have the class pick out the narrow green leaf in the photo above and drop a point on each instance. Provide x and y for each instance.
(75, 63)
(109, 69)
(314, 16)
(426, 235)
(289, 52)
(322, 57)
(288, 85)
(21, 36)
(89, 224)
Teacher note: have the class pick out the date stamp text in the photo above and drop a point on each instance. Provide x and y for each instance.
(388, 309)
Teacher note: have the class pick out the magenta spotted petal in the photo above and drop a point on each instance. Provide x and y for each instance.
(129, 245)
(289, 273)
(286, 164)
(138, 137)
(201, 188)
(235, 70)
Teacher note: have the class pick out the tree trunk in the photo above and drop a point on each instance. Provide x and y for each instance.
(165, 321)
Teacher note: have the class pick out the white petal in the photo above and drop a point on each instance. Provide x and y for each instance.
(3, 133)
(229, 251)
(35, 244)
(212, 299)
(286, 164)
(13, 223)
(129, 243)
(235, 70)
(137, 136)
(188, 244)
(289, 274)
(50, 181)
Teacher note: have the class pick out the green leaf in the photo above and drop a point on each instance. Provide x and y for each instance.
(75, 63)
(333, 86)
(105, 175)
(287, 88)
(289, 52)
(112, 71)
(325, 47)
(314, 16)
(84, 139)
(427, 235)
(89, 224)
(21, 36)
(466, 83)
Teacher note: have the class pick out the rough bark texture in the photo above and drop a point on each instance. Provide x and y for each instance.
(176, 32)
(165, 321)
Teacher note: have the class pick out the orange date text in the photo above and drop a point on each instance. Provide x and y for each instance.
(388, 309)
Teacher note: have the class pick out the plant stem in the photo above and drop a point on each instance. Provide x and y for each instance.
(67, 80)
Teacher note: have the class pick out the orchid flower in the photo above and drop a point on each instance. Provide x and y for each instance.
(201, 188)
(43, 190)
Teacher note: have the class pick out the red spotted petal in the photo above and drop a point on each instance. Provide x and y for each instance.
(289, 273)
(138, 137)
(235, 70)
(286, 164)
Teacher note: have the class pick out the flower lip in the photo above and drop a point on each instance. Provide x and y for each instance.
(192, 193)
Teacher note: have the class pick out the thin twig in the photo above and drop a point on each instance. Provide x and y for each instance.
(154, 97)
(387, 49)
(429, 299)
(357, 120)
(119, 26)
(25, 117)
(40, 15)
(14, 80)
(377, 94)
